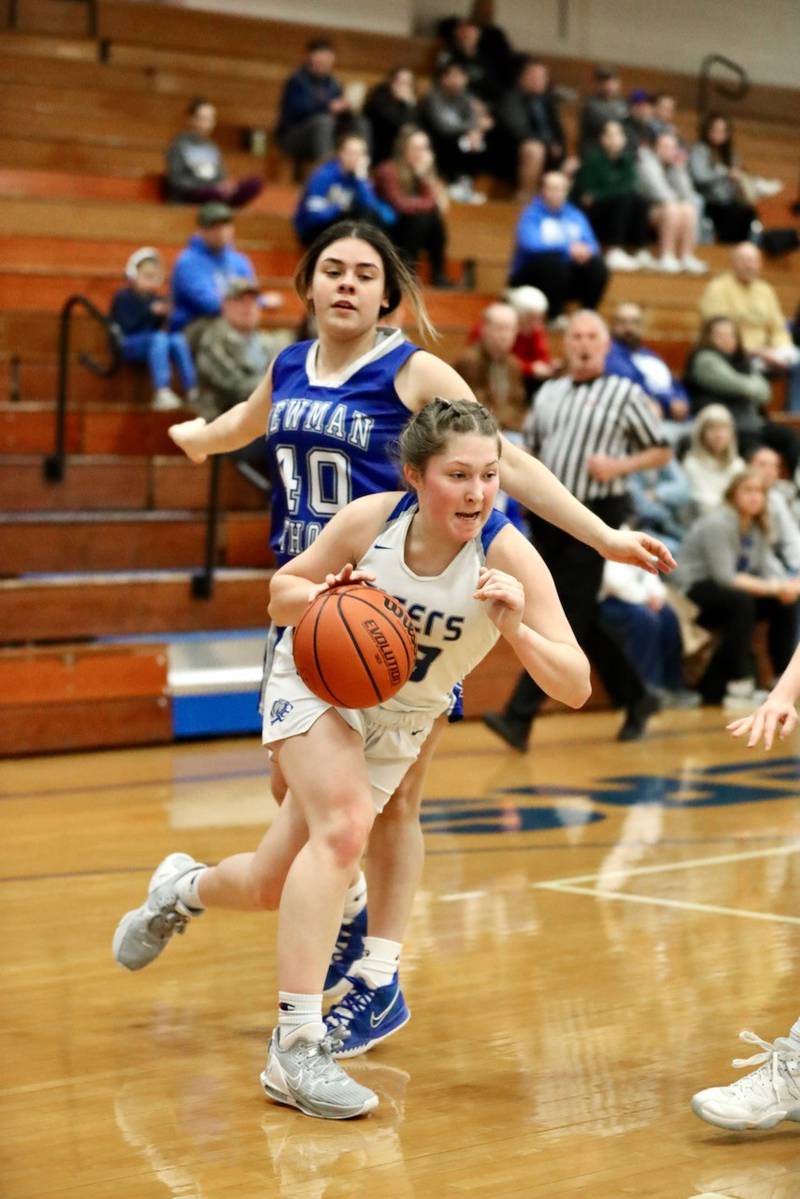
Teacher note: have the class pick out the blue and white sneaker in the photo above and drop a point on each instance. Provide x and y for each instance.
(349, 949)
(366, 1016)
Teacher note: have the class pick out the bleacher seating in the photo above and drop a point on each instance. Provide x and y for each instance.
(86, 116)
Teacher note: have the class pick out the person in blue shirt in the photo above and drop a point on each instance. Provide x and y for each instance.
(140, 314)
(338, 189)
(203, 270)
(556, 249)
(629, 357)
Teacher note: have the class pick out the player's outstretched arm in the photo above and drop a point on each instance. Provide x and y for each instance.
(537, 488)
(231, 431)
(424, 377)
(778, 711)
(330, 560)
(523, 602)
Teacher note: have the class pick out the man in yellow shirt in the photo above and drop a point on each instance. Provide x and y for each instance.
(752, 303)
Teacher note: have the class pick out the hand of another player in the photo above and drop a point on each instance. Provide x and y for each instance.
(603, 467)
(640, 549)
(185, 436)
(765, 721)
(504, 597)
(348, 574)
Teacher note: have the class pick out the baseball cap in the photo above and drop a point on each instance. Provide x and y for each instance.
(239, 285)
(527, 299)
(214, 213)
(640, 95)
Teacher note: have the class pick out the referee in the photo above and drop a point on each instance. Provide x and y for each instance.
(591, 430)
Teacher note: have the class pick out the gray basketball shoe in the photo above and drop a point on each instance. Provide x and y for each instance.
(143, 933)
(306, 1076)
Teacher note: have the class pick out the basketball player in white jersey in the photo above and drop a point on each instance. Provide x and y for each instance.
(331, 409)
(441, 549)
(771, 1092)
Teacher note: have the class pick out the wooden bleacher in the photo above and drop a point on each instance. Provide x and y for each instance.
(86, 116)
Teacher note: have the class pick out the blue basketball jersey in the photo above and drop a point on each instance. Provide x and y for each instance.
(330, 443)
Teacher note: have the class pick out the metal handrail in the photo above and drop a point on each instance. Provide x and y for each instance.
(53, 466)
(202, 583)
(732, 91)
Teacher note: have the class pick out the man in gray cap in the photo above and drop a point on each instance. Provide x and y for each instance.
(201, 273)
(233, 352)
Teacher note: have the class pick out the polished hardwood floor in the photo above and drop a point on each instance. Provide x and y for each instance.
(596, 924)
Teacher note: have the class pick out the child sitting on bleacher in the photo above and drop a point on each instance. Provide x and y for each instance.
(140, 312)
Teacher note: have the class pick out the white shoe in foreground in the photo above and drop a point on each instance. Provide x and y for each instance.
(762, 1098)
(305, 1076)
(142, 934)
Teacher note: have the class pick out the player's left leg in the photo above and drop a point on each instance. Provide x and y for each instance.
(371, 1005)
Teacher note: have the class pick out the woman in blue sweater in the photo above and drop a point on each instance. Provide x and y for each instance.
(340, 188)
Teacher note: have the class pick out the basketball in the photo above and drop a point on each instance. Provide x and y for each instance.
(355, 646)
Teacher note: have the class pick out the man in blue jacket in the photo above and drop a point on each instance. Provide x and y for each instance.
(338, 189)
(201, 274)
(556, 249)
(312, 106)
(629, 357)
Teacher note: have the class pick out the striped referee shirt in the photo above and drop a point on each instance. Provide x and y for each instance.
(571, 421)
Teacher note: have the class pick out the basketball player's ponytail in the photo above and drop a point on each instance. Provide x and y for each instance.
(401, 283)
(427, 433)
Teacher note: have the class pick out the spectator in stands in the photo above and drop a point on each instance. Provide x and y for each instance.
(607, 104)
(339, 188)
(195, 168)
(665, 184)
(408, 183)
(720, 372)
(389, 107)
(712, 459)
(494, 46)
(531, 349)
(628, 356)
(491, 369)
(729, 571)
(606, 189)
(664, 110)
(201, 273)
(743, 296)
(784, 528)
(634, 604)
(639, 121)
(662, 502)
(727, 192)
(314, 109)
(140, 312)
(457, 124)
(463, 47)
(233, 353)
(556, 249)
(529, 128)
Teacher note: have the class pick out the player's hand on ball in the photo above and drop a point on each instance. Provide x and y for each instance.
(504, 597)
(348, 574)
(185, 436)
(765, 721)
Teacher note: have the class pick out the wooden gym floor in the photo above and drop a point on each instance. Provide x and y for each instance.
(595, 926)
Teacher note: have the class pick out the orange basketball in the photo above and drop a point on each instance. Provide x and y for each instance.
(355, 646)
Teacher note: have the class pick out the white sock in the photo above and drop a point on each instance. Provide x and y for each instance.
(379, 962)
(794, 1033)
(355, 899)
(186, 889)
(299, 1018)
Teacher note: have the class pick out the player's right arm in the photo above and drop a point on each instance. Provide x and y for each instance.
(231, 430)
(777, 711)
(331, 559)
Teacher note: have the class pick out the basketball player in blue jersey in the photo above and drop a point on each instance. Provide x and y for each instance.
(443, 549)
(332, 409)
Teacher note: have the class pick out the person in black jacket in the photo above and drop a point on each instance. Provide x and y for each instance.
(140, 312)
(314, 111)
(390, 106)
(529, 126)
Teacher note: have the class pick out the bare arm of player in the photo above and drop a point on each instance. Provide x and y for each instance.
(523, 602)
(231, 430)
(777, 711)
(424, 376)
(331, 559)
